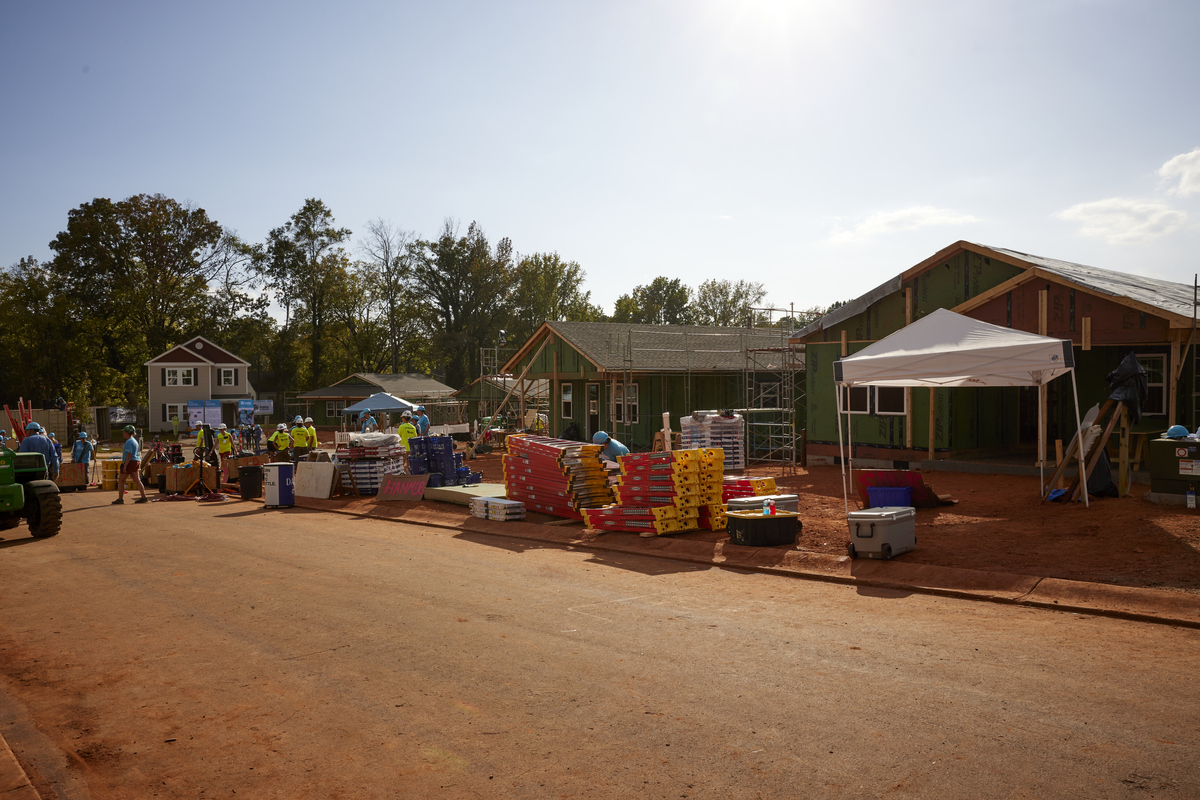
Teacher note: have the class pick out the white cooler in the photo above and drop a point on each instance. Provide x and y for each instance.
(882, 532)
(783, 502)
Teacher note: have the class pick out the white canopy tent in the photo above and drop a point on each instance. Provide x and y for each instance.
(945, 349)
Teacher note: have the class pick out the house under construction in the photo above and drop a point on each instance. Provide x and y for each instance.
(622, 377)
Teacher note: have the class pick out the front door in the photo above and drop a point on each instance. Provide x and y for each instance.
(593, 409)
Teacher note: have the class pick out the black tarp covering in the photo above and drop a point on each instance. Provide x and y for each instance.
(1100, 480)
(1127, 384)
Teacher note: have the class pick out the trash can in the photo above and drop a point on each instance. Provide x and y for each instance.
(250, 481)
(279, 490)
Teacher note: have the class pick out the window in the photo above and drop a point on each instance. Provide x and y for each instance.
(631, 403)
(856, 400)
(228, 377)
(172, 410)
(1156, 384)
(625, 403)
(889, 400)
(566, 401)
(333, 408)
(179, 377)
(618, 402)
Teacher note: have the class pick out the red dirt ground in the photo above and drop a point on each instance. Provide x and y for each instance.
(1000, 525)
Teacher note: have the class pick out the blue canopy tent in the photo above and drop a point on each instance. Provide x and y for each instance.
(381, 402)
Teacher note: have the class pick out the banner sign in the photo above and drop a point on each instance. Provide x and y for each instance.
(212, 412)
(402, 487)
(264, 406)
(195, 413)
(245, 412)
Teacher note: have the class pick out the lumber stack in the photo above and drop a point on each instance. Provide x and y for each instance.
(747, 486)
(555, 476)
(663, 493)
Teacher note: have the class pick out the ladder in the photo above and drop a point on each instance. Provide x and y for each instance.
(1111, 410)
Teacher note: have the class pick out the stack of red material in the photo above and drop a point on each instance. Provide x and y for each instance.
(662, 493)
(746, 487)
(555, 476)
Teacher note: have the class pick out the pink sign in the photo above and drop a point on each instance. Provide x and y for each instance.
(402, 487)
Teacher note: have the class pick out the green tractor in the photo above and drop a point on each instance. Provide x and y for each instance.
(25, 492)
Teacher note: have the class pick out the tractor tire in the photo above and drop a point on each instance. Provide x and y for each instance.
(8, 523)
(44, 509)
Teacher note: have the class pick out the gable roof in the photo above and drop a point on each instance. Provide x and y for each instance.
(198, 350)
(406, 385)
(1167, 299)
(657, 348)
(534, 387)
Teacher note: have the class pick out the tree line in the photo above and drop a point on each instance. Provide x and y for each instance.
(130, 279)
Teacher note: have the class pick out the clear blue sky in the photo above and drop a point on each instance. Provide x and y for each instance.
(817, 147)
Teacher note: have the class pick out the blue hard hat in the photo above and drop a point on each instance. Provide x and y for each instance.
(33, 426)
(420, 408)
(52, 436)
(299, 420)
(1177, 432)
(82, 435)
(599, 437)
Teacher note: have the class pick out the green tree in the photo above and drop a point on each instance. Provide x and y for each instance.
(728, 303)
(304, 264)
(389, 277)
(549, 289)
(466, 284)
(664, 301)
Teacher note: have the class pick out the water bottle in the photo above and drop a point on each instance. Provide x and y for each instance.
(772, 507)
(766, 507)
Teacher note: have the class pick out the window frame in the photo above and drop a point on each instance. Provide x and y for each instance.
(632, 402)
(903, 401)
(1162, 359)
(226, 372)
(180, 376)
(566, 397)
(333, 408)
(845, 398)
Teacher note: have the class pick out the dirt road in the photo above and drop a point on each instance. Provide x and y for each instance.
(185, 650)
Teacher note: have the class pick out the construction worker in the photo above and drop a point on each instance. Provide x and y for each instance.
(612, 448)
(36, 441)
(257, 437)
(369, 425)
(279, 441)
(406, 430)
(299, 440)
(131, 464)
(224, 448)
(421, 421)
(312, 433)
(57, 446)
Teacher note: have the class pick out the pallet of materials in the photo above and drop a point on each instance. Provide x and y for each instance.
(367, 475)
(702, 430)
(734, 487)
(555, 476)
(497, 508)
(665, 493)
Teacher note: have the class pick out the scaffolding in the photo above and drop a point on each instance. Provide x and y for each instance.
(530, 399)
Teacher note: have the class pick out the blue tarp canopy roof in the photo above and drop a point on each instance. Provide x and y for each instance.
(381, 401)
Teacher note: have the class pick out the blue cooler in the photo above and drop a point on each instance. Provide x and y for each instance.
(418, 465)
(279, 489)
(419, 445)
(435, 480)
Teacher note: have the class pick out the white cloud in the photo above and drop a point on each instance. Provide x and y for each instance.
(1187, 168)
(1123, 221)
(906, 219)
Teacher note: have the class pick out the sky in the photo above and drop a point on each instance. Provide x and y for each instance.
(816, 147)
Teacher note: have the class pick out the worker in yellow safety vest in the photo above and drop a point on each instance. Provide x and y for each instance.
(224, 448)
(406, 430)
(279, 441)
(299, 440)
(312, 433)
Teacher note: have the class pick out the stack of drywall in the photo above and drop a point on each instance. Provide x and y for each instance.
(368, 473)
(746, 487)
(707, 430)
(555, 476)
(663, 493)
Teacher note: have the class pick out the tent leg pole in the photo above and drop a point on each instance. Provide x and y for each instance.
(1041, 446)
(841, 453)
(1082, 466)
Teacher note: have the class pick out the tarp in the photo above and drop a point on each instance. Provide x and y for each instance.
(948, 349)
(944, 349)
(381, 401)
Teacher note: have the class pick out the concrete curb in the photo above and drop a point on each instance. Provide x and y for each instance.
(1121, 602)
(14, 783)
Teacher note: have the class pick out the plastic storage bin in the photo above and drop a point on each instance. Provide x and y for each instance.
(885, 496)
(882, 532)
(757, 529)
(279, 489)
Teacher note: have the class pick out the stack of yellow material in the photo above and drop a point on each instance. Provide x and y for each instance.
(662, 493)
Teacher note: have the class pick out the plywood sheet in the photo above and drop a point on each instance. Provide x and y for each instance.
(462, 495)
(314, 479)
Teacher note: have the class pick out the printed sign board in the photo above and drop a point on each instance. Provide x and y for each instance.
(402, 487)
(195, 413)
(212, 412)
(264, 406)
(245, 412)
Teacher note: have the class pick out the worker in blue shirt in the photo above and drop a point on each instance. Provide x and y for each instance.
(421, 421)
(612, 448)
(37, 442)
(369, 425)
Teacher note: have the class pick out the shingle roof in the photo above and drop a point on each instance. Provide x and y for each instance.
(666, 348)
(409, 385)
(1168, 296)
